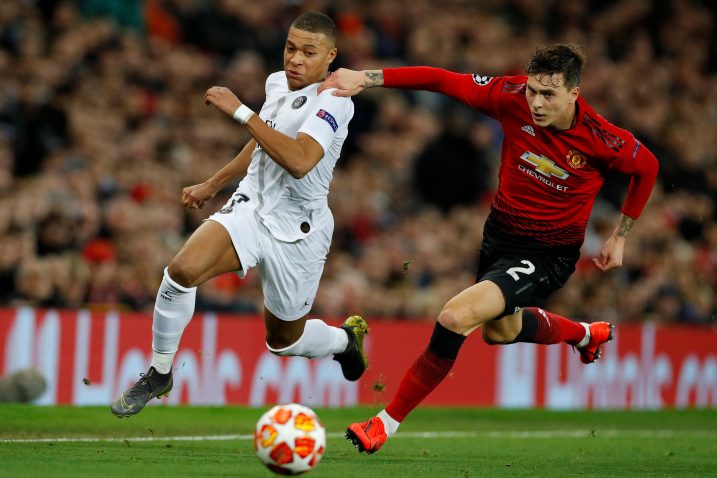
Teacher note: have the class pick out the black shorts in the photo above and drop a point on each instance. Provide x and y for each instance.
(527, 275)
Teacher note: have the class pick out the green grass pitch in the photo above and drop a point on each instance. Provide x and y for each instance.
(462, 442)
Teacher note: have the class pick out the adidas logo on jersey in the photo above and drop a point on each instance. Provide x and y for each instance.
(528, 129)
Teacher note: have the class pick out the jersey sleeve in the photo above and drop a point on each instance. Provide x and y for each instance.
(329, 117)
(638, 162)
(480, 92)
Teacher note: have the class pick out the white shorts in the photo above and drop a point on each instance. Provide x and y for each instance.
(290, 271)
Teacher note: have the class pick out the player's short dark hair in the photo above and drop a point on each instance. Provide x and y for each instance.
(566, 59)
(316, 22)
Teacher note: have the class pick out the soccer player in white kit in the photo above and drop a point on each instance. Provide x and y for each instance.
(278, 219)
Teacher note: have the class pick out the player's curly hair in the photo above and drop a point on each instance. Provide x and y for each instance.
(316, 22)
(566, 59)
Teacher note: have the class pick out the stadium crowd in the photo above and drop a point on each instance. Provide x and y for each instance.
(102, 123)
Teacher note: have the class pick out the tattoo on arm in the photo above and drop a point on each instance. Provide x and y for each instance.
(624, 225)
(374, 78)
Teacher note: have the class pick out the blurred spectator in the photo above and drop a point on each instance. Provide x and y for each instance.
(452, 170)
(102, 123)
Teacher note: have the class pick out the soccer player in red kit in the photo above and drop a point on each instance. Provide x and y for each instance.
(556, 151)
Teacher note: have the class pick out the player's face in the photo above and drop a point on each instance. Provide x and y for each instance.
(307, 57)
(551, 103)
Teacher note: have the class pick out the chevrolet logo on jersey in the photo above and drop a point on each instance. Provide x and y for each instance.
(544, 165)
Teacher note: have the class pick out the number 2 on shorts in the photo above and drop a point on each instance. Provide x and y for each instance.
(513, 271)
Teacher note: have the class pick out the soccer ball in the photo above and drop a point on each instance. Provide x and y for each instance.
(290, 439)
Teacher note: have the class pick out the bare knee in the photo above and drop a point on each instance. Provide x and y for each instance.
(456, 319)
(183, 273)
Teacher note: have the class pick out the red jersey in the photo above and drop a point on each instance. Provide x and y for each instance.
(548, 179)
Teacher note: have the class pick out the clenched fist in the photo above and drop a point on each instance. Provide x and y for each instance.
(223, 99)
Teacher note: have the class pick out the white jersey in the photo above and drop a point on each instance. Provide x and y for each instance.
(294, 208)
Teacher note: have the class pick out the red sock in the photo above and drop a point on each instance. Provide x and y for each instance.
(543, 327)
(422, 377)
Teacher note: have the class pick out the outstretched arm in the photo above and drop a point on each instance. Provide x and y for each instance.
(296, 155)
(351, 82)
(477, 91)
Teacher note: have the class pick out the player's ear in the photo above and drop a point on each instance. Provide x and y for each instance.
(574, 93)
(331, 56)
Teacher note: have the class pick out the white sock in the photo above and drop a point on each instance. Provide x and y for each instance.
(390, 425)
(162, 362)
(318, 340)
(173, 310)
(585, 339)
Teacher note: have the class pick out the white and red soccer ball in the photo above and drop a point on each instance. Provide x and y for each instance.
(290, 439)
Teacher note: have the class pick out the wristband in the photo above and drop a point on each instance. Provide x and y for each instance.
(243, 113)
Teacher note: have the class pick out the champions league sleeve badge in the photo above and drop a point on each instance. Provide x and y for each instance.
(481, 80)
(329, 118)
